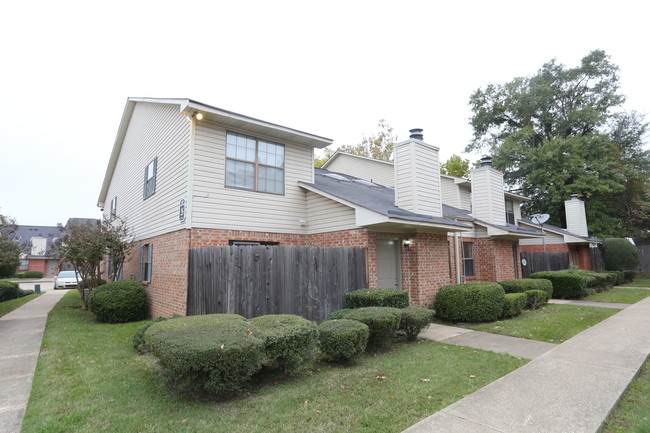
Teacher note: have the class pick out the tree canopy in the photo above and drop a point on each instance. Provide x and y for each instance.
(562, 131)
(455, 166)
(9, 251)
(378, 146)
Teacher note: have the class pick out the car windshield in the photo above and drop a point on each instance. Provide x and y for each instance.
(67, 274)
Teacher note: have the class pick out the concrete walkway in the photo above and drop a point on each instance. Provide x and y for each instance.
(519, 347)
(570, 389)
(21, 332)
(589, 303)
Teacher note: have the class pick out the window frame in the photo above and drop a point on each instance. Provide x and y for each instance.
(243, 243)
(113, 211)
(146, 263)
(257, 164)
(23, 265)
(468, 262)
(150, 182)
(510, 215)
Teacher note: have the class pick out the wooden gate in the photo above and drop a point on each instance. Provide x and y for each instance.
(537, 262)
(257, 280)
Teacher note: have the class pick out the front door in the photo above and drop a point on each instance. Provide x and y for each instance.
(388, 259)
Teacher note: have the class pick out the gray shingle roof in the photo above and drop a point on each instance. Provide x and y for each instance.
(562, 231)
(24, 234)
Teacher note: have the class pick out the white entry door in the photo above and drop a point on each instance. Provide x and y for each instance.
(388, 260)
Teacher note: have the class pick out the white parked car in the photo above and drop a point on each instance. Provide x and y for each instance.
(66, 280)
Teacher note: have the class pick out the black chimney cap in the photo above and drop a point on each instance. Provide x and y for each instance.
(416, 134)
(486, 161)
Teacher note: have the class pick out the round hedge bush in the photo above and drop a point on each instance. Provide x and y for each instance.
(471, 302)
(377, 298)
(525, 284)
(515, 304)
(215, 353)
(414, 320)
(342, 339)
(119, 302)
(8, 291)
(536, 298)
(383, 323)
(620, 255)
(289, 341)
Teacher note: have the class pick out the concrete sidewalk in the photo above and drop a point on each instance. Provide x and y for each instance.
(589, 303)
(21, 332)
(570, 389)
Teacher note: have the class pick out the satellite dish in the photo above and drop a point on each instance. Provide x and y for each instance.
(540, 218)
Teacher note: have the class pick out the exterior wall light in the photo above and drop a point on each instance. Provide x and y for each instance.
(407, 243)
(199, 116)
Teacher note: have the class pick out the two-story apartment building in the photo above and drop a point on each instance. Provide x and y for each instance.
(188, 175)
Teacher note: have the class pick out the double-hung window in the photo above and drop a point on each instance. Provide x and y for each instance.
(468, 259)
(510, 212)
(146, 262)
(150, 172)
(254, 164)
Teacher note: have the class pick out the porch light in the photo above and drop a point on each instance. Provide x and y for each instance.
(407, 242)
(199, 116)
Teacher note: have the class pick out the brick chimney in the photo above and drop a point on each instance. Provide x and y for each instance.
(488, 202)
(417, 175)
(576, 217)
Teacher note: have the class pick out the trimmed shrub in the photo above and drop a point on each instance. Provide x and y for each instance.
(83, 284)
(525, 284)
(338, 314)
(566, 284)
(23, 292)
(628, 276)
(414, 320)
(471, 302)
(289, 340)
(139, 344)
(383, 323)
(619, 277)
(377, 298)
(536, 298)
(620, 255)
(8, 291)
(215, 353)
(342, 339)
(119, 302)
(30, 274)
(514, 305)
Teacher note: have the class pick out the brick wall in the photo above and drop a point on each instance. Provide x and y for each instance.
(425, 266)
(494, 260)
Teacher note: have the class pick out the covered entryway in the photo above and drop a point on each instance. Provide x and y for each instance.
(388, 263)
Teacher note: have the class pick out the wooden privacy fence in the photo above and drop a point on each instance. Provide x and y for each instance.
(644, 258)
(257, 280)
(537, 262)
(597, 262)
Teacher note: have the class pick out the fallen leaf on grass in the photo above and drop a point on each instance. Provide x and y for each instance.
(425, 380)
(306, 403)
(380, 377)
(185, 421)
(222, 346)
(472, 376)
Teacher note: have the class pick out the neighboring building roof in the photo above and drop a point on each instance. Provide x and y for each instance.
(561, 231)
(368, 195)
(190, 107)
(339, 153)
(82, 221)
(24, 234)
(465, 215)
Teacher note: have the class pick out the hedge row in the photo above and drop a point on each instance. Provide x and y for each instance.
(471, 302)
(525, 284)
(10, 290)
(119, 302)
(575, 283)
(30, 274)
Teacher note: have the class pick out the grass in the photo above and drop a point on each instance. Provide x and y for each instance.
(89, 379)
(633, 413)
(642, 279)
(9, 306)
(551, 323)
(623, 296)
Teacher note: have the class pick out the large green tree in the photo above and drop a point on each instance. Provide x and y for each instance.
(9, 251)
(378, 145)
(562, 131)
(455, 166)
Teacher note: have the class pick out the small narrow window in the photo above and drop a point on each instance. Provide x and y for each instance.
(150, 178)
(510, 212)
(251, 243)
(468, 259)
(113, 208)
(146, 262)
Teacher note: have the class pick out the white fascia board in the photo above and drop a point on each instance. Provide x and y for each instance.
(327, 195)
(428, 225)
(515, 196)
(366, 217)
(401, 143)
(574, 240)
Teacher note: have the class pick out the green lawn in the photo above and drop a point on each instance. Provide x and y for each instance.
(623, 296)
(9, 306)
(551, 323)
(88, 379)
(642, 279)
(633, 413)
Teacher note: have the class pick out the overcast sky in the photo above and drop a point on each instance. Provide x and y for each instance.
(330, 68)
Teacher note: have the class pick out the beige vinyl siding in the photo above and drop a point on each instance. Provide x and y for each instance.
(465, 195)
(417, 178)
(576, 219)
(450, 193)
(517, 207)
(551, 238)
(375, 171)
(325, 215)
(488, 202)
(154, 131)
(218, 207)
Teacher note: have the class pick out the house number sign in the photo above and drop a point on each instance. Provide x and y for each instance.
(181, 210)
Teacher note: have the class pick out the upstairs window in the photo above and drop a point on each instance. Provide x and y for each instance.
(510, 212)
(468, 259)
(150, 178)
(113, 208)
(254, 164)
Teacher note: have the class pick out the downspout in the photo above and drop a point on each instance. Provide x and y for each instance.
(457, 254)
